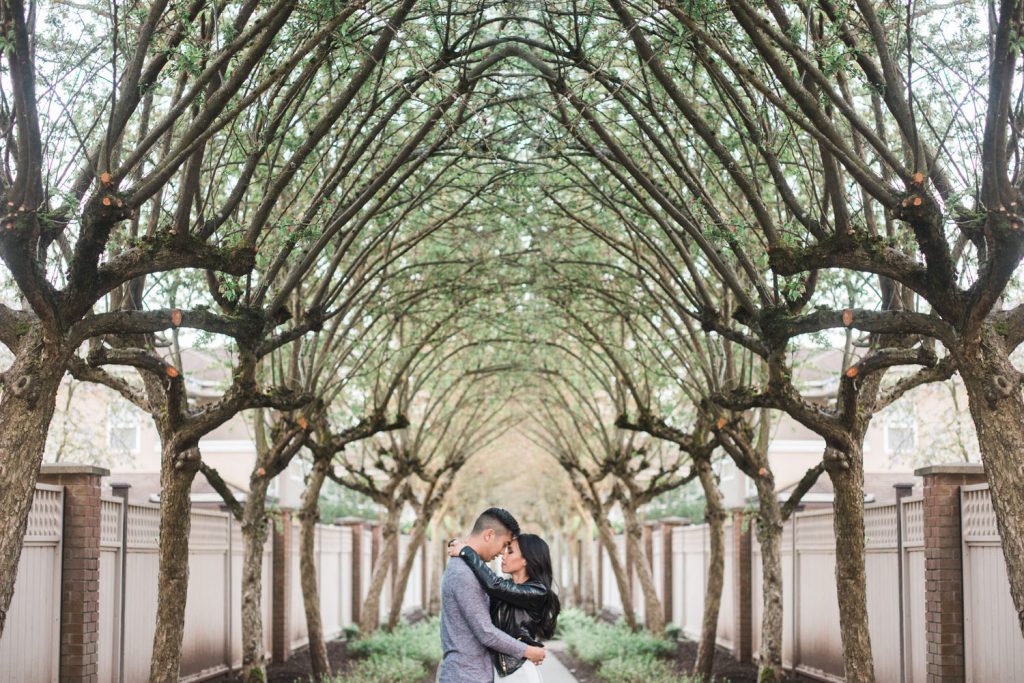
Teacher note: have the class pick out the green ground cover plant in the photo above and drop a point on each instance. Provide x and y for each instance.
(405, 655)
(620, 655)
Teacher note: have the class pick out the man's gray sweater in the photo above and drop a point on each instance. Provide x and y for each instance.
(467, 634)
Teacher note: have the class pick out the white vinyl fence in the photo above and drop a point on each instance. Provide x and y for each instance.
(812, 642)
(30, 645)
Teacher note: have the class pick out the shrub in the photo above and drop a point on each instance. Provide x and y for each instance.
(401, 656)
(594, 642)
(621, 656)
(385, 669)
(637, 669)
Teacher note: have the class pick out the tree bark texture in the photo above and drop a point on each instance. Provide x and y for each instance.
(997, 408)
(703, 666)
(27, 401)
(654, 616)
(254, 541)
(309, 514)
(769, 537)
(369, 613)
(419, 532)
(847, 474)
(586, 569)
(437, 561)
(604, 531)
(177, 472)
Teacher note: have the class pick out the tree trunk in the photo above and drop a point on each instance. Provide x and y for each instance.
(254, 541)
(309, 513)
(846, 470)
(654, 611)
(26, 410)
(769, 536)
(619, 570)
(438, 560)
(997, 408)
(369, 613)
(703, 667)
(176, 475)
(402, 580)
(586, 568)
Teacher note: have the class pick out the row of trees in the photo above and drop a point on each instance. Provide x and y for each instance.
(612, 222)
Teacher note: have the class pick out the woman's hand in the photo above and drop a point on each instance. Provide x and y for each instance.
(455, 546)
(535, 654)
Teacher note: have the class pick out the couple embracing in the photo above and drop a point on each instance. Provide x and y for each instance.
(491, 627)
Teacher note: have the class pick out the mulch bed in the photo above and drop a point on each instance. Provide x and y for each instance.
(727, 669)
(297, 667)
(726, 666)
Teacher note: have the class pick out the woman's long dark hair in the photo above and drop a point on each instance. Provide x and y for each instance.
(538, 567)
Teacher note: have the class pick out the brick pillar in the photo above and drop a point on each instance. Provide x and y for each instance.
(943, 572)
(282, 588)
(743, 634)
(667, 525)
(80, 568)
(599, 560)
(357, 525)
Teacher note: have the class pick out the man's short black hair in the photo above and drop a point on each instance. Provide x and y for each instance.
(499, 519)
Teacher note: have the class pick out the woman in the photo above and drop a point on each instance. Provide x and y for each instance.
(524, 606)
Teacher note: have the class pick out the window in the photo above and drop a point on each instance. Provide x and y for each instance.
(901, 429)
(123, 429)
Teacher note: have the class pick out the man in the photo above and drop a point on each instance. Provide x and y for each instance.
(467, 633)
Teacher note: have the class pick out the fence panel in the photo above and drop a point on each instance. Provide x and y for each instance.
(993, 642)
(205, 645)
(694, 579)
(30, 645)
(299, 635)
(658, 562)
(345, 578)
(141, 587)
(109, 627)
(819, 646)
(914, 607)
(677, 575)
(726, 626)
(329, 579)
(881, 565)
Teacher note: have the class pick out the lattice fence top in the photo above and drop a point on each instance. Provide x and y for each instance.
(346, 539)
(329, 538)
(110, 522)
(45, 519)
(880, 527)
(978, 515)
(143, 526)
(913, 522)
(814, 530)
(209, 530)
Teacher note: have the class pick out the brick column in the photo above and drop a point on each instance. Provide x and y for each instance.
(743, 634)
(80, 568)
(283, 540)
(667, 525)
(943, 572)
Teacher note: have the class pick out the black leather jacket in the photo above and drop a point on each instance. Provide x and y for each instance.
(516, 608)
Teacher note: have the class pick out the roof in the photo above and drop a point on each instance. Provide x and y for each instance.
(879, 487)
(145, 488)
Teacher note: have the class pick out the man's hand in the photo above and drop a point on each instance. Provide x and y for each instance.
(535, 654)
(454, 546)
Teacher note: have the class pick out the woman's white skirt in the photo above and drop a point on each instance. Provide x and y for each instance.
(527, 673)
